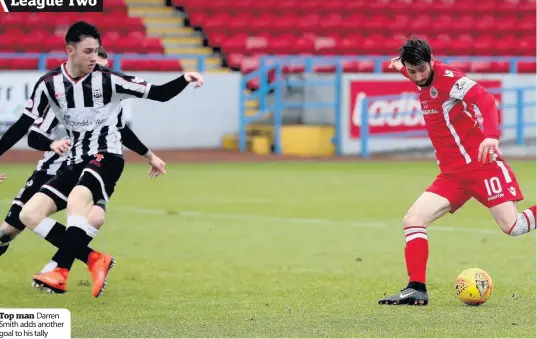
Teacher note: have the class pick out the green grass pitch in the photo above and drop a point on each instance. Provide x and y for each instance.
(281, 250)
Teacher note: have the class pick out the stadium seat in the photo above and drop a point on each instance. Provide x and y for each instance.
(19, 63)
(527, 67)
(151, 65)
(462, 65)
(53, 63)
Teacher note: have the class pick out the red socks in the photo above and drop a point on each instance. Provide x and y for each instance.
(416, 252)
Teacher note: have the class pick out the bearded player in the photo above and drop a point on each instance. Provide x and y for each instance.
(469, 158)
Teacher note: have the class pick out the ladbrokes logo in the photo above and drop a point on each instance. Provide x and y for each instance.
(385, 115)
(68, 121)
(52, 5)
(393, 114)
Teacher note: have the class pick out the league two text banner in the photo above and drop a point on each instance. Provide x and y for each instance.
(37, 6)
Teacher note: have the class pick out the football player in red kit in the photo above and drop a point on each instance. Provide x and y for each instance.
(469, 158)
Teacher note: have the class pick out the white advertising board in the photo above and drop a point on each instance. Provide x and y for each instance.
(356, 87)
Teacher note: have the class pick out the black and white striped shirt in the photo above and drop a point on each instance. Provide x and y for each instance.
(88, 107)
(49, 126)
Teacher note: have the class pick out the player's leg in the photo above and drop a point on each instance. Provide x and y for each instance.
(96, 220)
(511, 221)
(51, 197)
(97, 182)
(12, 225)
(7, 234)
(57, 234)
(495, 186)
(443, 196)
(97, 214)
(36, 212)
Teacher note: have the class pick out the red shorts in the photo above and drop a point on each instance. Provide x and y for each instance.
(492, 184)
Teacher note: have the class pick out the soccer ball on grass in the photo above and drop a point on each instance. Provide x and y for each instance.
(474, 286)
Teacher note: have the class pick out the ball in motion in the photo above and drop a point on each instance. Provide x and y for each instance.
(474, 286)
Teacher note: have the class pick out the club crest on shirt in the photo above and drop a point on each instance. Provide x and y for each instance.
(460, 84)
(97, 93)
(433, 92)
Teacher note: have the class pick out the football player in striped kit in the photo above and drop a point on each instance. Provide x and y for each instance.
(47, 135)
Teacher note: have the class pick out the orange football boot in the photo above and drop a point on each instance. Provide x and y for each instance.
(99, 264)
(54, 281)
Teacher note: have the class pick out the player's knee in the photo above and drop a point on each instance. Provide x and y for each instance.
(30, 217)
(80, 200)
(506, 225)
(96, 217)
(36, 209)
(79, 194)
(414, 218)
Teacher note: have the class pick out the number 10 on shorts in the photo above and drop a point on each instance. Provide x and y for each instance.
(493, 186)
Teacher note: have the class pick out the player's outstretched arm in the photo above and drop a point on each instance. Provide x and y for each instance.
(128, 86)
(171, 89)
(15, 133)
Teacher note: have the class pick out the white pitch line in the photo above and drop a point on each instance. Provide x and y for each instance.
(253, 217)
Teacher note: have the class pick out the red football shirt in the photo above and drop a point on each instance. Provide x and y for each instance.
(450, 119)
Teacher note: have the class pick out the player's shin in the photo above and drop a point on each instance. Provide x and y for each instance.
(525, 222)
(77, 237)
(5, 240)
(54, 232)
(7, 234)
(79, 232)
(416, 255)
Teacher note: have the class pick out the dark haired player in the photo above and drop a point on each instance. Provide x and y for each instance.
(42, 137)
(86, 99)
(470, 161)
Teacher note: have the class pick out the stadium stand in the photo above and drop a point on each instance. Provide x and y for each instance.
(245, 29)
(235, 33)
(137, 27)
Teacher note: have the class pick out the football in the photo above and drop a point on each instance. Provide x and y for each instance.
(474, 286)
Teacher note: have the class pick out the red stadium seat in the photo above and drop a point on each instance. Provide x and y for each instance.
(5, 63)
(485, 24)
(294, 69)
(254, 44)
(151, 65)
(365, 66)
(249, 64)
(152, 45)
(53, 63)
(385, 68)
(527, 67)
(24, 64)
(234, 60)
(482, 67)
(462, 65)
(526, 46)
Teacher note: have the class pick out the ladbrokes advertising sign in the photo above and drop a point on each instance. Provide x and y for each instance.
(395, 115)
